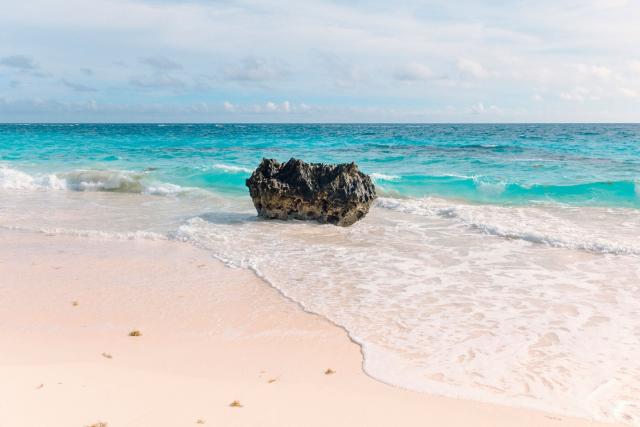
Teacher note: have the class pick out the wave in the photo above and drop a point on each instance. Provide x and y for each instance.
(12, 179)
(480, 188)
(531, 224)
(87, 180)
(494, 189)
(383, 177)
(232, 168)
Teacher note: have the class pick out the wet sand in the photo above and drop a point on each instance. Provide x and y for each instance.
(209, 336)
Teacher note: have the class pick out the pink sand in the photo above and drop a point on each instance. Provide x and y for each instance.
(210, 335)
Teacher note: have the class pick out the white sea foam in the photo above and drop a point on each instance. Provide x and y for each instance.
(383, 177)
(231, 168)
(93, 234)
(164, 189)
(445, 297)
(489, 188)
(442, 308)
(87, 180)
(557, 227)
(12, 179)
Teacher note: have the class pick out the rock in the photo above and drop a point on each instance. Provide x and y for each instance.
(335, 194)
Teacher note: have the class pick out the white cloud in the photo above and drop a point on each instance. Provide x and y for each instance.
(343, 73)
(479, 108)
(95, 111)
(635, 66)
(609, 4)
(596, 71)
(157, 81)
(255, 70)
(472, 68)
(270, 107)
(357, 58)
(199, 107)
(579, 94)
(601, 72)
(413, 72)
(630, 93)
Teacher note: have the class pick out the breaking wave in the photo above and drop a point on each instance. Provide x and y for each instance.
(231, 168)
(486, 189)
(383, 177)
(87, 180)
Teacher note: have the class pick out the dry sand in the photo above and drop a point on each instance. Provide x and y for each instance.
(210, 335)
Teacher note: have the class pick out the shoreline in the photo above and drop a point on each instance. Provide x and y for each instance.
(210, 335)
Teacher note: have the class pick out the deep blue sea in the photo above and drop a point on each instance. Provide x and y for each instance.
(500, 263)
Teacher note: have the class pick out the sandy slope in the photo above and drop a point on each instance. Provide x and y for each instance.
(210, 335)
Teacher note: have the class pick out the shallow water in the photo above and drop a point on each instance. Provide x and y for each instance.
(577, 164)
(501, 263)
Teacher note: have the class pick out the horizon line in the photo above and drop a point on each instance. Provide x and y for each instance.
(21, 123)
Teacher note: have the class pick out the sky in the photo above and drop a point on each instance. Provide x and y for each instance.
(320, 61)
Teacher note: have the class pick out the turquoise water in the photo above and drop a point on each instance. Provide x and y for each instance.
(514, 164)
(500, 263)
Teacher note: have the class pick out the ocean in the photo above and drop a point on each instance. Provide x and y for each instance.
(500, 263)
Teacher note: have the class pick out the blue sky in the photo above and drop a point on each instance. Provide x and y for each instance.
(320, 61)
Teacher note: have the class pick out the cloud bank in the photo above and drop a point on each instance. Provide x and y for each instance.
(274, 60)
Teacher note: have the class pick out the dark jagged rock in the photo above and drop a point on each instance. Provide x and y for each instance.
(335, 194)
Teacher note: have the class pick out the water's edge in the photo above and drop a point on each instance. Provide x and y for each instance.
(173, 238)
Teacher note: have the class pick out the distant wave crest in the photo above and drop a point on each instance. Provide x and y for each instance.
(231, 168)
(384, 177)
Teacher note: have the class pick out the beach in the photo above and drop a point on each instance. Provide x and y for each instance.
(361, 213)
(498, 263)
(209, 335)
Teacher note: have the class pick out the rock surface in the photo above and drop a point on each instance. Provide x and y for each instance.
(335, 194)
